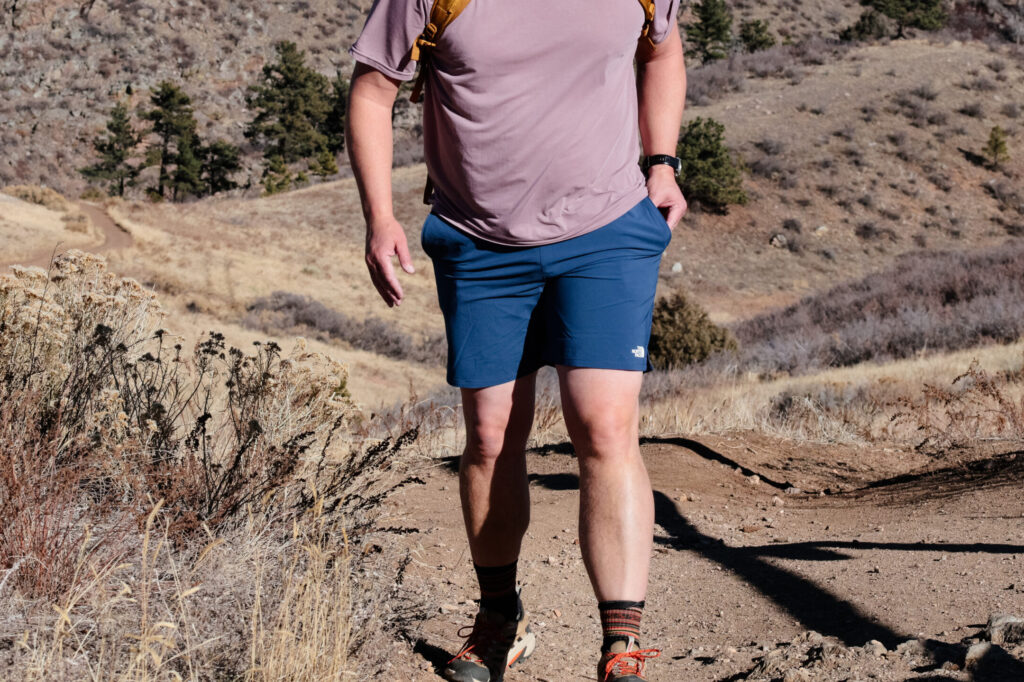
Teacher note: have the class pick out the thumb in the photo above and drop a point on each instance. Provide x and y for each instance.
(404, 257)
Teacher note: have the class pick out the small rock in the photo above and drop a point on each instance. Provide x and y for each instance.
(1003, 628)
(875, 648)
(448, 608)
(777, 501)
(779, 240)
(677, 267)
(753, 480)
(976, 653)
(911, 648)
(796, 675)
(821, 229)
(792, 490)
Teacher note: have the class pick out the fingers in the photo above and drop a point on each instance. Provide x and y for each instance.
(382, 274)
(676, 211)
(404, 258)
(382, 245)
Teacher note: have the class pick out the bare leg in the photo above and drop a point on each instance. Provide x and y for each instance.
(601, 408)
(492, 473)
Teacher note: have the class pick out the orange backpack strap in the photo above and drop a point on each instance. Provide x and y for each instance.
(645, 32)
(442, 13)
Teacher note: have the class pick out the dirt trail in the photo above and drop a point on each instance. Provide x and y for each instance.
(743, 563)
(113, 238)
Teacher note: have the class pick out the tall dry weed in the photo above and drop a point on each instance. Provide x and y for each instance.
(141, 481)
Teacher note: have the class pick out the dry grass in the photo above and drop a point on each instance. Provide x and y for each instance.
(29, 228)
(867, 403)
(185, 516)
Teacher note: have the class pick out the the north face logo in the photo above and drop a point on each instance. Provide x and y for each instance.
(638, 352)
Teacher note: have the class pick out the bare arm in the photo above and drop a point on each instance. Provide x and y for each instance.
(370, 142)
(661, 88)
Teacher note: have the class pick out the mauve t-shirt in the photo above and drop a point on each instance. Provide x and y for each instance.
(530, 110)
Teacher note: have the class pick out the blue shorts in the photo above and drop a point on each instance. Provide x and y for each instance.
(582, 302)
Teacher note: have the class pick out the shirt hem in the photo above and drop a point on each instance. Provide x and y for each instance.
(615, 211)
(380, 66)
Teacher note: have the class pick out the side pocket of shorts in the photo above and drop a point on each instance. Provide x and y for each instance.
(659, 219)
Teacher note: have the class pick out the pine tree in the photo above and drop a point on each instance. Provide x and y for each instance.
(997, 150)
(709, 173)
(172, 119)
(188, 167)
(870, 26)
(928, 15)
(711, 34)
(292, 103)
(115, 149)
(324, 165)
(334, 126)
(220, 162)
(755, 35)
(277, 177)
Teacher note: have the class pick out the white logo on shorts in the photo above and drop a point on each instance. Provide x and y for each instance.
(638, 352)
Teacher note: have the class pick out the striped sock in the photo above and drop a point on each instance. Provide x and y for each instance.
(498, 589)
(620, 620)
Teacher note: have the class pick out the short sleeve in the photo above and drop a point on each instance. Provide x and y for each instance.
(389, 32)
(664, 17)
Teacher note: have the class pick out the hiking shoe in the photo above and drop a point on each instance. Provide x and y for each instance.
(493, 645)
(624, 662)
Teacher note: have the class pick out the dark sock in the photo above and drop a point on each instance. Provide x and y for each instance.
(620, 620)
(498, 589)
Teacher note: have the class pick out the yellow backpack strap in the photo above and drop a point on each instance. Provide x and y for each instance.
(442, 13)
(645, 32)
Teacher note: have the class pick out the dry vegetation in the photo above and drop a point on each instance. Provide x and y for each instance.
(176, 508)
(33, 219)
(187, 513)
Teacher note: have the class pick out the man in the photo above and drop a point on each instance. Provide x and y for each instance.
(546, 239)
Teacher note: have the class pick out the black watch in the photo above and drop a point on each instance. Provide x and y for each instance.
(656, 159)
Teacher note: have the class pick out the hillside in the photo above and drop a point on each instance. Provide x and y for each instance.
(63, 63)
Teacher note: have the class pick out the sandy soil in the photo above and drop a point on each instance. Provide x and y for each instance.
(34, 235)
(772, 560)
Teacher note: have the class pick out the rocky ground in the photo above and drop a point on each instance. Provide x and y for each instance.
(773, 560)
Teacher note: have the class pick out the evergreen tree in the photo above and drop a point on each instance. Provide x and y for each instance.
(870, 26)
(755, 35)
(334, 126)
(709, 37)
(325, 164)
(277, 177)
(292, 104)
(220, 162)
(172, 120)
(928, 15)
(188, 167)
(997, 150)
(115, 149)
(709, 173)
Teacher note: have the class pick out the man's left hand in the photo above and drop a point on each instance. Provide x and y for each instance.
(665, 193)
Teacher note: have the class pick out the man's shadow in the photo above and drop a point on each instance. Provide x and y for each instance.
(815, 607)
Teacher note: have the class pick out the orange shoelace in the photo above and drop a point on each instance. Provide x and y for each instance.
(478, 633)
(629, 662)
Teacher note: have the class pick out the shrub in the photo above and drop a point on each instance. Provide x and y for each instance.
(297, 313)
(939, 301)
(755, 35)
(709, 173)
(682, 334)
(44, 196)
(996, 150)
(711, 34)
(870, 26)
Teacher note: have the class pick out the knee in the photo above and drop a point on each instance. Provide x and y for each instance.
(609, 437)
(485, 440)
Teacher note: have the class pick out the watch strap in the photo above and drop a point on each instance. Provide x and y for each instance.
(657, 159)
